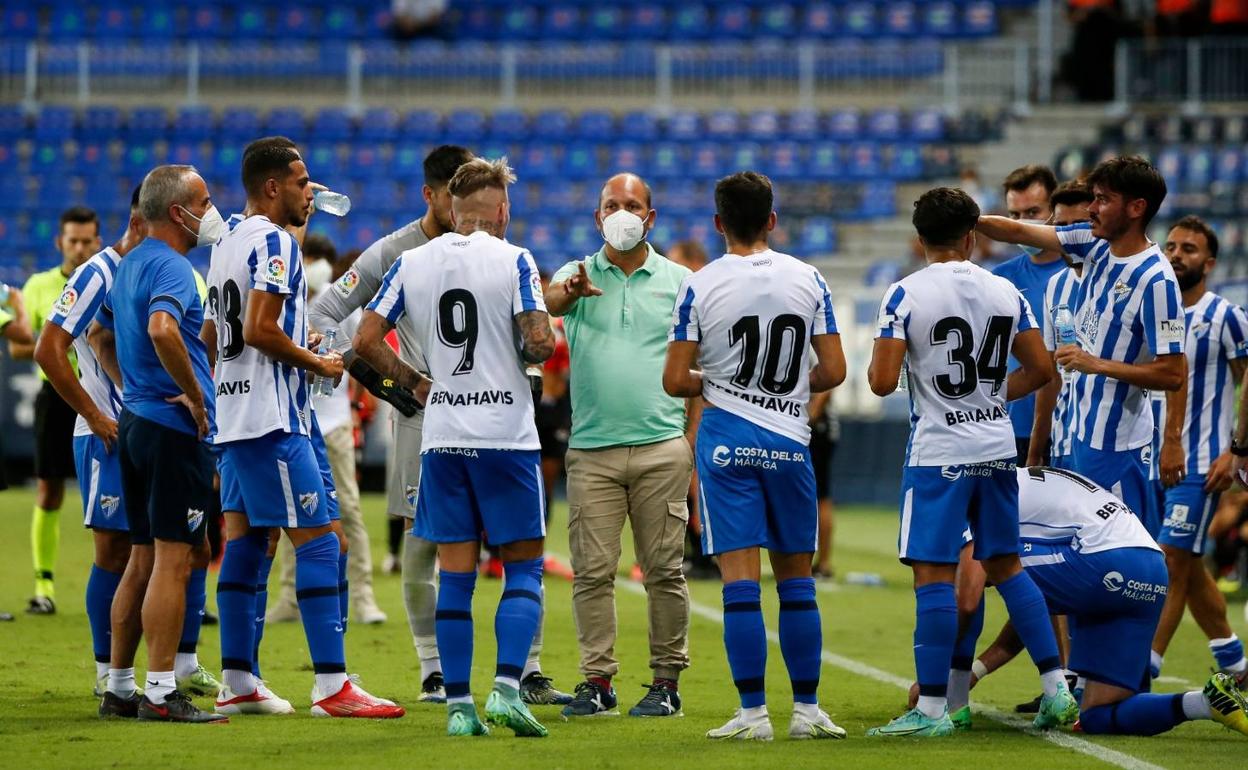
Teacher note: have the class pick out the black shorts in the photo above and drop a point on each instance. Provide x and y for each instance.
(54, 435)
(554, 427)
(822, 448)
(166, 477)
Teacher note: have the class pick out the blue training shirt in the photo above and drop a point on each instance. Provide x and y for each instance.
(1031, 280)
(154, 277)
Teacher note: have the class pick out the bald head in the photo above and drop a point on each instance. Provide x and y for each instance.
(622, 187)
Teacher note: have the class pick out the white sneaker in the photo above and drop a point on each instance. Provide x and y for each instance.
(742, 729)
(262, 701)
(367, 612)
(390, 565)
(803, 727)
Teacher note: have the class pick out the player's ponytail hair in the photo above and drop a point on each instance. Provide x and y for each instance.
(480, 173)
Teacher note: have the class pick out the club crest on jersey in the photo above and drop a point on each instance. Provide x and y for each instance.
(275, 268)
(66, 301)
(347, 283)
(308, 501)
(109, 503)
(1199, 328)
(1121, 291)
(194, 517)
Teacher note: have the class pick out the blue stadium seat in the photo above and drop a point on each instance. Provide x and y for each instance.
(239, 124)
(862, 160)
(627, 156)
(146, 124)
(367, 164)
(905, 162)
(205, 22)
(1230, 165)
(538, 162)
(519, 22)
(804, 125)
(786, 161)
(689, 21)
(100, 123)
(819, 20)
(562, 201)
(979, 18)
(580, 162)
(705, 161)
(295, 21)
(605, 21)
(885, 124)
(339, 23)
(723, 125)
(639, 126)
(55, 124)
(763, 125)
(508, 125)
(845, 125)
(562, 22)
(520, 196)
(745, 156)
(667, 161)
(251, 22)
(684, 126)
(193, 124)
(333, 124)
(879, 199)
(732, 20)
(379, 124)
(477, 23)
(594, 126)
(114, 21)
(552, 126)
(778, 20)
(323, 162)
(157, 22)
(421, 126)
(580, 239)
(678, 198)
(927, 125)
(901, 19)
(464, 126)
(67, 22)
(286, 121)
(824, 162)
(860, 19)
(19, 22)
(1169, 162)
(187, 153)
(647, 22)
(543, 242)
(817, 238)
(1199, 168)
(940, 19)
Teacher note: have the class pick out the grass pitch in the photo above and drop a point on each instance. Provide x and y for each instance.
(47, 714)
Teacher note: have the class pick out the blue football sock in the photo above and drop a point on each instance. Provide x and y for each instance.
(236, 599)
(453, 626)
(964, 649)
(801, 637)
(101, 587)
(1030, 616)
(344, 589)
(1141, 714)
(745, 639)
(1228, 653)
(262, 606)
(935, 630)
(193, 619)
(316, 588)
(519, 612)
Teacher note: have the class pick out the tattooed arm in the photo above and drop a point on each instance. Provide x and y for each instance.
(536, 336)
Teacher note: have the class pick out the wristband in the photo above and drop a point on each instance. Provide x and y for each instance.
(979, 669)
(1239, 450)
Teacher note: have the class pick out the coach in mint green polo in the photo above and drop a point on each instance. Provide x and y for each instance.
(628, 459)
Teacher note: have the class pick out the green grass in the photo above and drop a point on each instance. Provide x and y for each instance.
(47, 716)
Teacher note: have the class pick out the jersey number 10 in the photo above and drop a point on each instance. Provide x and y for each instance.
(784, 330)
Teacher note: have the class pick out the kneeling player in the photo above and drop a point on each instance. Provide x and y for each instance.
(1096, 563)
(749, 320)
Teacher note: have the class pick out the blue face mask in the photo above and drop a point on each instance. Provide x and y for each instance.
(1032, 251)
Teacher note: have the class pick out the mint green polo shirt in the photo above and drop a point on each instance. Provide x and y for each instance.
(618, 343)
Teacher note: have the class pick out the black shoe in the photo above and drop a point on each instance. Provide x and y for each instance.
(112, 705)
(1030, 707)
(432, 690)
(177, 708)
(210, 618)
(662, 700)
(40, 605)
(592, 700)
(537, 689)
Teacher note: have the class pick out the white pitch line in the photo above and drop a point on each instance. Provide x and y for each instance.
(1065, 740)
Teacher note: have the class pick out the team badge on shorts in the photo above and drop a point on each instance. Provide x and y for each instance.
(65, 302)
(412, 493)
(194, 517)
(109, 503)
(1113, 581)
(308, 501)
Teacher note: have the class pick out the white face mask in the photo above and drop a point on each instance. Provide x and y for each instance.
(318, 273)
(1032, 251)
(211, 226)
(623, 230)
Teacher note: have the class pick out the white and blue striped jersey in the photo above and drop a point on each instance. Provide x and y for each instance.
(959, 322)
(1063, 289)
(257, 395)
(1129, 311)
(458, 296)
(753, 319)
(1217, 333)
(1060, 507)
(74, 311)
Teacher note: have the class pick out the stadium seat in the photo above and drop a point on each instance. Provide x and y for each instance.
(55, 124)
(845, 125)
(647, 22)
(626, 156)
(580, 162)
(862, 160)
(817, 238)
(100, 123)
(786, 161)
(732, 20)
(286, 121)
(667, 161)
(193, 124)
(19, 22)
(67, 22)
(239, 124)
(638, 126)
(860, 19)
(979, 18)
(689, 21)
(940, 19)
(538, 162)
(594, 126)
(508, 125)
(552, 126)
(825, 162)
(562, 22)
(904, 162)
(901, 19)
(705, 162)
(421, 126)
(605, 22)
(820, 20)
(777, 20)
(723, 125)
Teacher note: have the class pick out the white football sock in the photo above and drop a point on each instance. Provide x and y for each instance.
(101, 670)
(510, 681)
(160, 685)
(1196, 706)
(932, 706)
(754, 714)
(239, 682)
(329, 684)
(185, 664)
(1054, 681)
(1155, 660)
(121, 681)
(531, 666)
(431, 665)
(807, 711)
(959, 691)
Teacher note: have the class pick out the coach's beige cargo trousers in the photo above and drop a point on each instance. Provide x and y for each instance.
(647, 485)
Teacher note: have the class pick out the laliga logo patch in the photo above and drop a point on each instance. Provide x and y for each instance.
(66, 301)
(194, 517)
(308, 501)
(1113, 581)
(951, 472)
(347, 283)
(276, 268)
(721, 456)
(109, 503)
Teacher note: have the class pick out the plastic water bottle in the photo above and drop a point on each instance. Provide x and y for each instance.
(331, 202)
(5, 293)
(1064, 332)
(903, 379)
(323, 387)
(871, 579)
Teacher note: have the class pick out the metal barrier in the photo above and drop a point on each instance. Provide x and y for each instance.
(1189, 72)
(608, 76)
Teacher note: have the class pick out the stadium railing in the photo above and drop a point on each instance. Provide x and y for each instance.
(611, 76)
(1190, 72)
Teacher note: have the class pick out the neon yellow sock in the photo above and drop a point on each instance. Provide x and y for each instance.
(45, 541)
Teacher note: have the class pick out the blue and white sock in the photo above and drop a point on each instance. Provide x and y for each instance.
(236, 606)
(344, 589)
(935, 631)
(1140, 714)
(262, 606)
(187, 659)
(101, 587)
(1155, 662)
(1030, 616)
(801, 637)
(453, 626)
(745, 639)
(316, 588)
(515, 623)
(1229, 653)
(959, 693)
